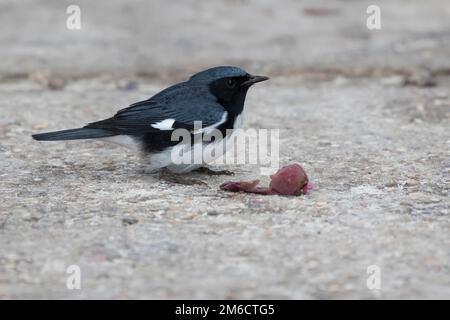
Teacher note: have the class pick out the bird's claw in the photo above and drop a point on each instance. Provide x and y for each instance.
(208, 171)
(179, 179)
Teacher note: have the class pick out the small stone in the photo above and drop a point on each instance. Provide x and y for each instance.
(48, 79)
(391, 184)
(58, 163)
(127, 85)
(396, 81)
(40, 126)
(421, 78)
(411, 183)
(129, 221)
(324, 143)
(340, 81)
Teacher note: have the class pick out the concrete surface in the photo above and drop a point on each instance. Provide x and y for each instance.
(366, 112)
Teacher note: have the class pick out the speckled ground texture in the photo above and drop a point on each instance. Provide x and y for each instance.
(366, 112)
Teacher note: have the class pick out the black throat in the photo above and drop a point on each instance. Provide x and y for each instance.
(232, 102)
(237, 104)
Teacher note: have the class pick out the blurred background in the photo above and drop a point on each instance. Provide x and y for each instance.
(159, 38)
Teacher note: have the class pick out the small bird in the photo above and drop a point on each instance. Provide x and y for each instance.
(215, 97)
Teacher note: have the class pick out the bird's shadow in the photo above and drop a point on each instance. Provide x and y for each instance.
(107, 172)
(189, 178)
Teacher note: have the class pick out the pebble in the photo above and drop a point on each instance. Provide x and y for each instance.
(396, 81)
(129, 221)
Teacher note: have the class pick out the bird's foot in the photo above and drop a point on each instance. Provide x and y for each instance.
(169, 176)
(208, 171)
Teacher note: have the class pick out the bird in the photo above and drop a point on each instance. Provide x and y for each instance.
(212, 99)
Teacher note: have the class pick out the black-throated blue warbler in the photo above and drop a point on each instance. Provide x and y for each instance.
(215, 97)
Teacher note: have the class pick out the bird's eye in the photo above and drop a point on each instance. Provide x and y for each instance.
(231, 83)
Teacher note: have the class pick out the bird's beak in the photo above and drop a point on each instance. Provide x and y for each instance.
(253, 80)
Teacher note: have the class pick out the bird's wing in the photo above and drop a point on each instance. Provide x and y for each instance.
(173, 108)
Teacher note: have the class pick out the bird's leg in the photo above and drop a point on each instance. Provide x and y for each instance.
(169, 176)
(208, 171)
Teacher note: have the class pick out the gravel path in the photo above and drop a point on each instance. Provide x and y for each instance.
(368, 115)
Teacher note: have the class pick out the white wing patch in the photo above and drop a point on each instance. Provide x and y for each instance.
(164, 125)
(213, 126)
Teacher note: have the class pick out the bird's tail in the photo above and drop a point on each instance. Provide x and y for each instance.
(73, 134)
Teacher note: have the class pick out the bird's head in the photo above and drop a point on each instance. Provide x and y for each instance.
(228, 84)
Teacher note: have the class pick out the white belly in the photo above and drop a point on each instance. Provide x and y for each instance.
(197, 153)
(164, 158)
